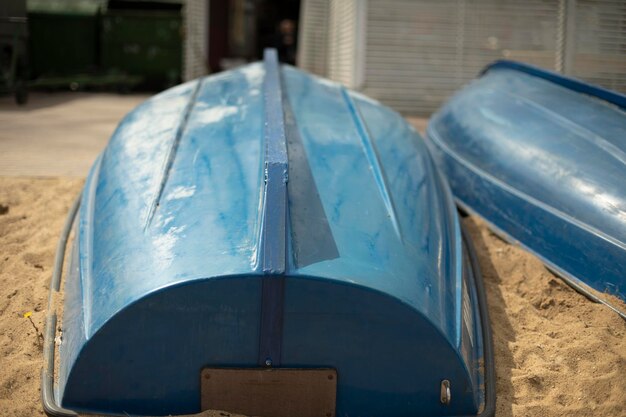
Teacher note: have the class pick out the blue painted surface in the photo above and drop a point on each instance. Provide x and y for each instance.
(573, 84)
(273, 236)
(543, 163)
(274, 221)
(170, 277)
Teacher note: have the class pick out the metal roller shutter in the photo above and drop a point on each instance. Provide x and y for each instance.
(413, 54)
(420, 52)
(313, 36)
(196, 15)
(599, 50)
(342, 41)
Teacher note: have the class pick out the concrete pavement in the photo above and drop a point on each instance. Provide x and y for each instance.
(61, 134)
(58, 134)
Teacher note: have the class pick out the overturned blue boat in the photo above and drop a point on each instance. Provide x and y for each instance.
(266, 242)
(542, 158)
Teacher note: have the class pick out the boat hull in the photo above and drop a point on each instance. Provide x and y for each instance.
(264, 219)
(542, 161)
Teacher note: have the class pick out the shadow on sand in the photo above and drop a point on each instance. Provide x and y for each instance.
(502, 330)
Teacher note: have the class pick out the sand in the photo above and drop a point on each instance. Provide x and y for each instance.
(557, 354)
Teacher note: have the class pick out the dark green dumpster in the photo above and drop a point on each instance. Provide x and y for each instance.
(146, 43)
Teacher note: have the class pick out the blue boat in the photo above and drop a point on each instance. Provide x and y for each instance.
(542, 158)
(266, 242)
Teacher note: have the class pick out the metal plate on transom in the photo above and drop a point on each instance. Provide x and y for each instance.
(274, 392)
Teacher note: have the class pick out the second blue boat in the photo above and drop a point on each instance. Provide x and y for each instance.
(542, 158)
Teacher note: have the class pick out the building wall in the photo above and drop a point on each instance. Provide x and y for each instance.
(196, 18)
(313, 36)
(342, 41)
(413, 54)
(599, 43)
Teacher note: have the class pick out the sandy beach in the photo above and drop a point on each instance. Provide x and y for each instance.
(557, 353)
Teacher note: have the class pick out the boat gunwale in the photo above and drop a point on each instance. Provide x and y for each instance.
(571, 83)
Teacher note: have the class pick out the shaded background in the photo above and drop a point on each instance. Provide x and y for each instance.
(136, 45)
(409, 54)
